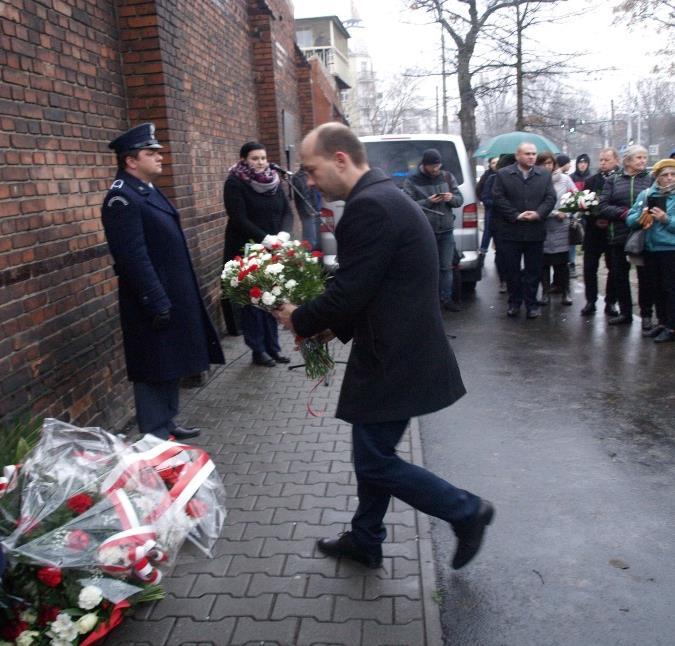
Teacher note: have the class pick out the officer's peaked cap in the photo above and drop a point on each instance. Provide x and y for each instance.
(137, 138)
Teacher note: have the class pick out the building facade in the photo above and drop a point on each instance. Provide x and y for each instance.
(211, 74)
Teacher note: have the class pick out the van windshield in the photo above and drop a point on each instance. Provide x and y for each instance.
(398, 158)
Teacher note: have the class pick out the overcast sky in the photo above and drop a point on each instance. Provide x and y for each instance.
(396, 43)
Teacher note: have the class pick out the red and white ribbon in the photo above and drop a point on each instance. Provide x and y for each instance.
(8, 479)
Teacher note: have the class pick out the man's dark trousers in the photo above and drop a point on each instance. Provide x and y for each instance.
(595, 247)
(522, 285)
(156, 406)
(381, 474)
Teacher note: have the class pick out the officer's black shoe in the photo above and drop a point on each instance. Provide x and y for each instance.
(182, 433)
(588, 309)
(621, 319)
(279, 358)
(533, 313)
(513, 312)
(470, 534)
(610, 310)
(263, 359)
(345, 546)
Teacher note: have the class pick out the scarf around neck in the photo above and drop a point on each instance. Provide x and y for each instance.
(265, 182)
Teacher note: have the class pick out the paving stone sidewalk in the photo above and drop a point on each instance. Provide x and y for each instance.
(289, 481)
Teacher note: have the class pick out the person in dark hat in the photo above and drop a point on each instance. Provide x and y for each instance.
(436, 191)
(166, 329)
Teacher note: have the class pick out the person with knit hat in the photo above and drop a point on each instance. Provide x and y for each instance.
(436, 191)
(654, 211)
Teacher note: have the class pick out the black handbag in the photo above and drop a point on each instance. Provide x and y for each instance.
(576, 232)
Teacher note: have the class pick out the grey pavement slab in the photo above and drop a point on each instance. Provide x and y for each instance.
(289, 481)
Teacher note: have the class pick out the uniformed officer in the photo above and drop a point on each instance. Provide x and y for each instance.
(166, 328)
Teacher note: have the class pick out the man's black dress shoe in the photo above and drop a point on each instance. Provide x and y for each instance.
(345, 546)
(665, 336)
(451, 306)
(655, 331)
(622, 319)
(610, 310)
(182, 433)
(470, 534)
(513, 311)
(533, 313)
(279, 358)
(588, 309)
(263, 359)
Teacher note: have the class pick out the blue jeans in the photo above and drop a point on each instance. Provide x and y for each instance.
(445, 241)
(261, 331)
(487, 231)
(310, 230)
(381, 474)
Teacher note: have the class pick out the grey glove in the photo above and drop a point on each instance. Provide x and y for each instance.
(161, 321)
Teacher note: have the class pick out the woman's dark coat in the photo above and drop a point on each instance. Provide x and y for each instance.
(253, 215)
(384, 297)
(618, 194)
(155, 274)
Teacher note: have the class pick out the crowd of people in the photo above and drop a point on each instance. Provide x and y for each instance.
(532, 233)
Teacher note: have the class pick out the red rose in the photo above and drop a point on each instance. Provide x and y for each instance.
(47, 614)
(317, 254)
(12, 630)
(290, 253)
(79, 503)
(77, 540)
(171, 475)
(196, 508)
(306, 244)
(255, 292)
(274, 259)
(50, 576)
(253, 268)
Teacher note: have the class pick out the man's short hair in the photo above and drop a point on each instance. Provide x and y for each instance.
(525, 143)
(336, 137)
(122, 158)
(612, 151)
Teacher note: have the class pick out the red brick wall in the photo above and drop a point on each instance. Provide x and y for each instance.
(61, 100)
(75, 73)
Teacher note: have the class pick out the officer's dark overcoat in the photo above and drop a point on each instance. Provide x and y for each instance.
(155, 274)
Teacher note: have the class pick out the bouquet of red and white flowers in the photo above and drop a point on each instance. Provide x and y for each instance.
(575, 201)
(288, 272)
(88, 522)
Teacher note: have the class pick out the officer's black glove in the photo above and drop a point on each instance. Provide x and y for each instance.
(161, 321)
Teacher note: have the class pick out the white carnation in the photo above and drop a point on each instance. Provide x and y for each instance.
(276, 290)
(27, 637)
(86, 623)
(29, 616)
(234, 282)
(63, 628)
(290, 285)
(265, 256)
(268, 299)
(283, 236)
(256, 247)
(274, 269)
(90, 597)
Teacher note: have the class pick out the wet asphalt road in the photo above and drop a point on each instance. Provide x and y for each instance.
(569, 429)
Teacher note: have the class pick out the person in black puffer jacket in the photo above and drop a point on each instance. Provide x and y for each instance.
(618, 195)
(596, 242)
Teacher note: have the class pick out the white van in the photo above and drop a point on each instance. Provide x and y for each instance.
(398, 155)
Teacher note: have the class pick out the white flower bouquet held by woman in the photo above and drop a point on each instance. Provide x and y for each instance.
(576, 201)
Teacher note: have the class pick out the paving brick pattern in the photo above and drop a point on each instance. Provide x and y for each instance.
(289, 481)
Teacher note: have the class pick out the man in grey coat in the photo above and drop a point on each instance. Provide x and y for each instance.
(436, 191)
(400, 364)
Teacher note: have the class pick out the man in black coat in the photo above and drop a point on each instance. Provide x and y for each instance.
(523, 198)
(166, 329)
(596, 242)
(384, 297)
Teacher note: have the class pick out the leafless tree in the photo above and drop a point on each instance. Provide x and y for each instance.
(467, 22)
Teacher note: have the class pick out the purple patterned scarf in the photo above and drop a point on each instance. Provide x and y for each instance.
(265, 182)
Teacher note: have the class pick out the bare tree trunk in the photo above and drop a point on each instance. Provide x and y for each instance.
(520, 110)
(467, 103)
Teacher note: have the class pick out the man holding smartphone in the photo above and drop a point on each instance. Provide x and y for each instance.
(436, 191)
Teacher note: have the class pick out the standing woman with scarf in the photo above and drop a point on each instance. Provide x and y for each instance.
(257, 209)
(654, 211)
